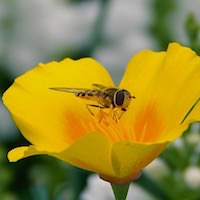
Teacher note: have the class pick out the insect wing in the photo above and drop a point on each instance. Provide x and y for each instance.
(70, 90)
(99, 86)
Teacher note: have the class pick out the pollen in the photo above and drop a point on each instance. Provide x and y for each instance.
(115, 131)
(104, 123)
(147, 126)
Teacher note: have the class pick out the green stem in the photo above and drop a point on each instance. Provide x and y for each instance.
(120, 191)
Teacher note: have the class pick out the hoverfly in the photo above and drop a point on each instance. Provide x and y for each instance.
(105, 97)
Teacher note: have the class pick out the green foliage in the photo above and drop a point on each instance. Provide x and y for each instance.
(192, 27)
(120, 191)
(160, 28)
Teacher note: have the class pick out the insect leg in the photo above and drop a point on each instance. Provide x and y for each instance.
(111, 111)
(121, 114)
(100, 114)
(116, 115)
(92, 105)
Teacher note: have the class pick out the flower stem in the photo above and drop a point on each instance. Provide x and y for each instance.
(120, 191)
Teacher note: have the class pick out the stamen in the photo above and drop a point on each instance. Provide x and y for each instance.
(147, 126)
(104, 128)
(115, 131)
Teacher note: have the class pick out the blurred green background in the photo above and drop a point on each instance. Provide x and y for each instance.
(111, 31)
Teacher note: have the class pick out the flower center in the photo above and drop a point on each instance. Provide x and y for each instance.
(147, 126)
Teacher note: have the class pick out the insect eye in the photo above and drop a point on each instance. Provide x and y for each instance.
(119, 98)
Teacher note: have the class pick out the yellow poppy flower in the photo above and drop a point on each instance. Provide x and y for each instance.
(167, 90)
